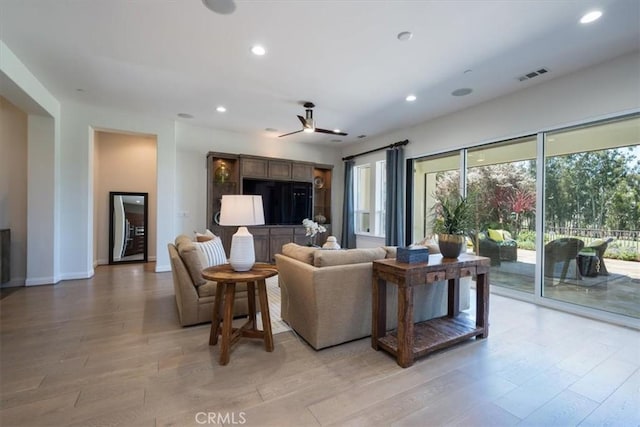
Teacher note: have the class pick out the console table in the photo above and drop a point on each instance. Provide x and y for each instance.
(414, 340)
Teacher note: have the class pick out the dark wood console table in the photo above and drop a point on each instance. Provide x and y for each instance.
(414, 340)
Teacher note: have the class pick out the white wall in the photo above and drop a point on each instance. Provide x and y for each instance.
(123, 162)
(193, 144)
(23, 89)
(601, 91)
(77, 196)
(13, 186)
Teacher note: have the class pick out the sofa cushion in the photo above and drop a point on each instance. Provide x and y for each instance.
(212, 252)
(191, 258)
(349, 256)
(204, 237)
(430, 244)
(301, 253)
(495, 235)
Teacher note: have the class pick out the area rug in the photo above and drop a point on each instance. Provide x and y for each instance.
(273, 293)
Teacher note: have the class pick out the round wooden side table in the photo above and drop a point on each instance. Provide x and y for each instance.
(226, 278)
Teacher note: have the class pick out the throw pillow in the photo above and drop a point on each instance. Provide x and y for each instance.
(495, 235)
(208, 235)
(212, 252)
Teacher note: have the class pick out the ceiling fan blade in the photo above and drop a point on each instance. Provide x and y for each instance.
(303, 120)
(331, 132)
(290, 133)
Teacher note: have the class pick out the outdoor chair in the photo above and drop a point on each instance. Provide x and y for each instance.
(498, 251)
(562, 250)
(600, 246)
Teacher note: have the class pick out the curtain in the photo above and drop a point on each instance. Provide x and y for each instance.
(348, 227)
(394, 209)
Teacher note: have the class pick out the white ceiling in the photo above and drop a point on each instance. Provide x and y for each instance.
(165, 57)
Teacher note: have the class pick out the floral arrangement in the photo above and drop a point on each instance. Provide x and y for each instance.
(312, 228)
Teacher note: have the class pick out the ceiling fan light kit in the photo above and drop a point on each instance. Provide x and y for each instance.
(309, 125)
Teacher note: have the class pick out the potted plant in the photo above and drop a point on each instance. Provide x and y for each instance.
(453, 218)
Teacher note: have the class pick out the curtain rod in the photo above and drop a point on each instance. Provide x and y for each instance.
(394, 145)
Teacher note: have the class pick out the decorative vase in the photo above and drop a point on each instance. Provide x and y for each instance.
(320, 219)
(451, 245)
(222, 173)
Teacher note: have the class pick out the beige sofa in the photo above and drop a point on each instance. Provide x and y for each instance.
(195, 295)
(326, 295)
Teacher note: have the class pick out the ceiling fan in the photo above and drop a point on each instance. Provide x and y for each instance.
(309, 125)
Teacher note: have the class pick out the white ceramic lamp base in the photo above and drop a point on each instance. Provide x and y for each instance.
(243, 255)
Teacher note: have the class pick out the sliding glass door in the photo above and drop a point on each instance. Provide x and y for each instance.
(432, 177)
(501, 183)
(584, 252)
(592, 216)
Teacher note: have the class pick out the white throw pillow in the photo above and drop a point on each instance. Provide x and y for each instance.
(211, 252)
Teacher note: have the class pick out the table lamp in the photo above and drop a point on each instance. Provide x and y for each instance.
(242, 210)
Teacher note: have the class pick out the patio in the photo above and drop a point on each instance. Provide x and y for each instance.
(619, 292)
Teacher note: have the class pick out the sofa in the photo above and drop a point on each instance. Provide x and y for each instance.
(326, 294)
(195, 295)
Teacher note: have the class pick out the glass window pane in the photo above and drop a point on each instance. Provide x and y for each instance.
(501, 182)
(432, 176)
(362, 198)
(592, 216)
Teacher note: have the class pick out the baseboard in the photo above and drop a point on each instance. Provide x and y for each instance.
(41, 281)
(79, 275)
(13, 283)
(163, 268)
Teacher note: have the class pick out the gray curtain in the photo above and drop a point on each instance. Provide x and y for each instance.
(348, 226)
(394, 209)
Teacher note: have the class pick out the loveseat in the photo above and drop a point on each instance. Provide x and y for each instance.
(195, 295)
(326, 294)
(498, 245)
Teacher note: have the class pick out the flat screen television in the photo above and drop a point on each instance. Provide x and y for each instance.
(284, 202)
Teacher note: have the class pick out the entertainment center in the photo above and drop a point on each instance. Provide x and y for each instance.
(291, 191)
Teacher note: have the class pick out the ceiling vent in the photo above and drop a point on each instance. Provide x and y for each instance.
(533, 74)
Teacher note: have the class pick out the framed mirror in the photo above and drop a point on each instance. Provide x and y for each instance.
(128, 218)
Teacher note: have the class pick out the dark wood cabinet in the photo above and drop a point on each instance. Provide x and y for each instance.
(254, 168)
(261, 243)
(302, 172)
(279, 169)
(225, 173)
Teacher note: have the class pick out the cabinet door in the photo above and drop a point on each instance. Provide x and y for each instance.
(254, 167)
(279, 236)
(300, 236)
(261, 243)
(302, 172)
(279, 169)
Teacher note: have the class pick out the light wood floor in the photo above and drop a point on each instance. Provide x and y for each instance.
(109, 351)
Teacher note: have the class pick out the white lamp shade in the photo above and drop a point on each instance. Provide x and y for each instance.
(241, 210)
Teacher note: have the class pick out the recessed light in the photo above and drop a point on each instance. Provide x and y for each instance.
(362, 136)
(590, 17)
(79, 89)
(405, 35)
(258, 50)
(185, 115)
(336, 140)
(221, 109)
(223, 7)
(410, 98)
(271, 130)
(462, 91)
(336, 131)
